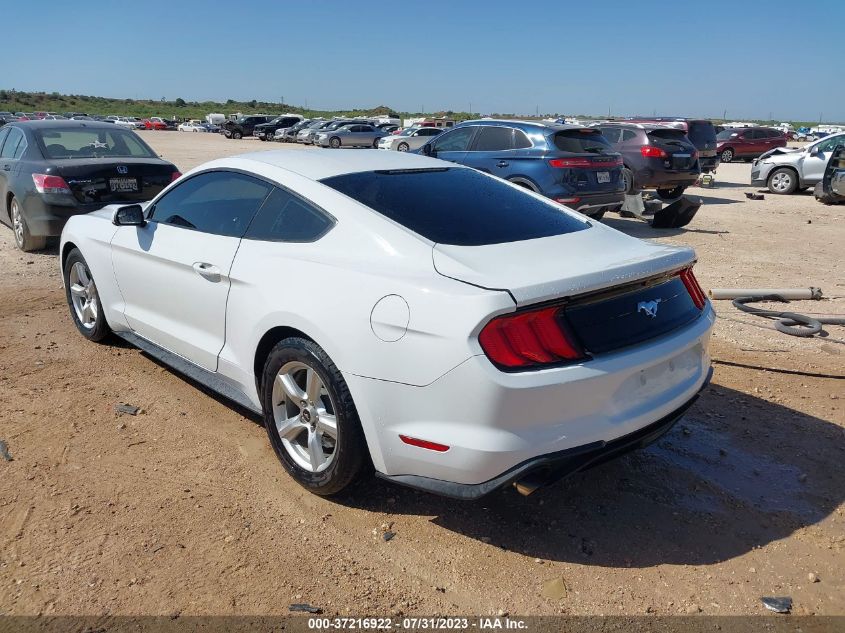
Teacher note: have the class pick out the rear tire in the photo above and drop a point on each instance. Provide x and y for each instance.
(319, 462)
(630, 187)
(597, 215)
(86, 309)
(782, 181)
(726, 156)
(23, 238)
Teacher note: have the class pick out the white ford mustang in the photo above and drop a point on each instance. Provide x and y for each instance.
(454, 331)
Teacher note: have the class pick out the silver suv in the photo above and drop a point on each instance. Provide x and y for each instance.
(787, 170)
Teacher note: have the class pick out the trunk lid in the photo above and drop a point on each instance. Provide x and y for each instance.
(561, 266)
(682, 154)
(110, 180)
(591, 165)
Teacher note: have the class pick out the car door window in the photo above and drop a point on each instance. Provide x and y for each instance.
(218, 202)
(428, 131)
(3, 132)
(285, 217)
(455, 141)
(10, 146)
(628, 135)
(493, 139)
(828, 145)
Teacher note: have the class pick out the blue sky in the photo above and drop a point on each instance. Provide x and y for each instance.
(629, 57)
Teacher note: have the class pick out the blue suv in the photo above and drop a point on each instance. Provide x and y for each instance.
(573, 165)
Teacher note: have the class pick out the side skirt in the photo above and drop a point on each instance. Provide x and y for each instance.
(208, 379)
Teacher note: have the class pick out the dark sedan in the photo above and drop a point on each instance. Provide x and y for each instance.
(51, 170)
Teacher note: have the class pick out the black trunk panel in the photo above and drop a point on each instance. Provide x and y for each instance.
(620, 320)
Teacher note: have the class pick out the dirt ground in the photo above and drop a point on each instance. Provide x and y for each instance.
(184, 508)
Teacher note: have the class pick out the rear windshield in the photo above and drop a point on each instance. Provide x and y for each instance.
(456, 206)
(701, 133)
(580, 141)
(79, 142)
(668, 134)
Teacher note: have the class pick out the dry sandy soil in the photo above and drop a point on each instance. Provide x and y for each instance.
(184, 508)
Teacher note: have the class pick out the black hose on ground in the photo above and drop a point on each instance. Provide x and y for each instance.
(790, 323)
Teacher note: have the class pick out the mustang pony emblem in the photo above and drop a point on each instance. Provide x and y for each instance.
(649, 307)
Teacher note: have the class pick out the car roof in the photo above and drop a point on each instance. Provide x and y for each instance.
(545, 125)
(63, 123)
(648, 127)
(319, 165)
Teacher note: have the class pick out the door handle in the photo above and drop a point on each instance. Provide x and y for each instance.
(502, 163)
(207, 271)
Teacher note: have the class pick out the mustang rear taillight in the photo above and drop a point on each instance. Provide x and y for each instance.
(44, 183)
(693, 288)
(529, 339)
(649, 151)
(585, 163)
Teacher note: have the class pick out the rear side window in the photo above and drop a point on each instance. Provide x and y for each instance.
(217, 202)
(580, 141)
(285, 217)
(456, 206)
(612, 134)
(14, 145)
(493, 139)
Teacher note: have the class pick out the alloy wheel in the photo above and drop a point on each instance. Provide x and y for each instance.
(17, 223)
(83, 294)
(781, 181)
(305, 418)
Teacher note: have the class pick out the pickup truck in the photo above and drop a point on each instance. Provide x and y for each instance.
(244, 126)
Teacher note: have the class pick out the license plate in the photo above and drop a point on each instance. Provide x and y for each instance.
(681, 155)
(123, 184)
(603, 176)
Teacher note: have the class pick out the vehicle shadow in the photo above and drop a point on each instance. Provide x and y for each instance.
(642, 230)
(738, 472)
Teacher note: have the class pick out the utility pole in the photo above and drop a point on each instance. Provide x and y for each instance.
(725, 115)
(470, 107)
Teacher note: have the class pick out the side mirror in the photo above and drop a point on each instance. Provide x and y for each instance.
(131, 215)
(428, 150)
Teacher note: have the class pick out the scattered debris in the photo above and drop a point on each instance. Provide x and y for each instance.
(554, 589)
(812, 577)
(304, 608)
(754, 196)
(4, 451)
(128, 409)
(388, 535)
(778, 605)
(501, 613)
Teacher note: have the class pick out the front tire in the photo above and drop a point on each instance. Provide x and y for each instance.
(237, 135)
(24, 240)
(310, 417)
(403, 147)
(782, 181)
(86, 309)
(334, 142)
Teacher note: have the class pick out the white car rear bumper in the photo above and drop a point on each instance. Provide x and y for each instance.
(496, 424)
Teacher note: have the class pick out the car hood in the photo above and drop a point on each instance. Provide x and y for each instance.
(782, 154)
(559, 266)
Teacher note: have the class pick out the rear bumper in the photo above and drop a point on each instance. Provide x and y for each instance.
(501, 426)
(654, 179)
(47, 220)
(599, 201)
(547, 469)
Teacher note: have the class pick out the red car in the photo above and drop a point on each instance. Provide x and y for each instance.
(747, 142)
(154, 123)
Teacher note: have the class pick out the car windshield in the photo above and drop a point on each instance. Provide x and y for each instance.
(724, 135)
(91, 143)
(581, 140)
(408, 131)
(456, 206)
